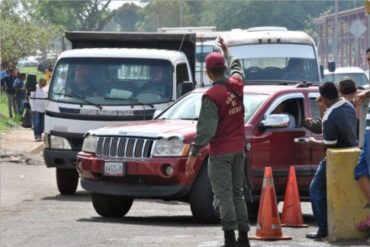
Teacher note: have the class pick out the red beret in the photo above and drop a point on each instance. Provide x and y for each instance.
(215, 60)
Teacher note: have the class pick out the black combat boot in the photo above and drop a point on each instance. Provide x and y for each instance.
(229, 239)
(243, 240)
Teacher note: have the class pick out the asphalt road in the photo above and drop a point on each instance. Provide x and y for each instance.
(33, 214)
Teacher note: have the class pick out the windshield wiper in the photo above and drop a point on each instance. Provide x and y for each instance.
(135, 101)
(189, 118)
(80, 98)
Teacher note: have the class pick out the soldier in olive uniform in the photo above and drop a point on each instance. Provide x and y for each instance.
(221, 125)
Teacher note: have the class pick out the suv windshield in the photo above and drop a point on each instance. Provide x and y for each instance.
(271, 62)
(188, 107)
(103, 81)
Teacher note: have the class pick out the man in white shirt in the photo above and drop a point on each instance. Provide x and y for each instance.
(38, 103)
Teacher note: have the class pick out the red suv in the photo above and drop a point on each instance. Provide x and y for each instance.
(146, 159)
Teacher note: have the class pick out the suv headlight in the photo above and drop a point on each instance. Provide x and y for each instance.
(57, 142)
(170, 147)
(89, 144)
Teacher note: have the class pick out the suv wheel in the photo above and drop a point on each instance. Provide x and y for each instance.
(111, 206)
(253, 208)
(67, 181)
(203, 205)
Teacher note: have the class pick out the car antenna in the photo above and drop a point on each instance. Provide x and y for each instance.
(182, 41)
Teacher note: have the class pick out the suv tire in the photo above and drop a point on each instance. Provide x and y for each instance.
(67, 181)
(202, 202)
(111, 206)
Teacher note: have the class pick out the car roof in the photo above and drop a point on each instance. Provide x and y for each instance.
(343, 70)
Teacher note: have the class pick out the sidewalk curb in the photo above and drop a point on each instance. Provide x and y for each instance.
(36, 149)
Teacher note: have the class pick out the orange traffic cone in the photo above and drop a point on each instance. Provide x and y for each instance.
(292, 213)
(268, 222)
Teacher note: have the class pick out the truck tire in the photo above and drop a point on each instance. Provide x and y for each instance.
(67, 181)
(203, 205)
(111, 206)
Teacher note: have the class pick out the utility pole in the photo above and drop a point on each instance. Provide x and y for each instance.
(181, 12)
(335, 32)
(368, 30)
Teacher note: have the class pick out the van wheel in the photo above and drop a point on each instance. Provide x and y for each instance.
(67, 181)
(203, 205)
(111, 206)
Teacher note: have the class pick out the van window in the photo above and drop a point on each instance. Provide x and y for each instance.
(277, 61)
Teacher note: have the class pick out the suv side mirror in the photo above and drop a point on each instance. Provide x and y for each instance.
(186, 87)
(331, 66)
(275, 121)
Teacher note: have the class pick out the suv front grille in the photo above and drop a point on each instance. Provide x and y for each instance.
(124, 147)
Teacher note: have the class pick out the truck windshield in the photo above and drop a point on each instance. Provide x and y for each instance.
(103, 81)
(278, 62)
(188, 107)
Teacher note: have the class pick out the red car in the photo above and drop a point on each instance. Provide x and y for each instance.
(146, 159)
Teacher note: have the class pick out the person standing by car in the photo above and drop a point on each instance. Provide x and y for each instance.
(339, 131)
(362, 169)
(221, 125)
(20, 92)
(38, 105)
(7, 83)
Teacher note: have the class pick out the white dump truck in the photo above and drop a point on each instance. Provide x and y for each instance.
(107, 78)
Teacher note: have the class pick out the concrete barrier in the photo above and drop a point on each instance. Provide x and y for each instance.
(344, 197)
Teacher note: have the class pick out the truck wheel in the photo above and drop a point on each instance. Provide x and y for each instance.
(111, 206)
(67, 181)
(203, 205)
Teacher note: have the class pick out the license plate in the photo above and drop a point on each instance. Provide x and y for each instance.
(114, 169)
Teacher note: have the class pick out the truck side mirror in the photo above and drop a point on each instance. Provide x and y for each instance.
(186, 87)
(331, 66)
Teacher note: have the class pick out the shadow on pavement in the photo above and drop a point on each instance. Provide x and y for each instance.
(79, 196)
(181, 221)
(169, 220)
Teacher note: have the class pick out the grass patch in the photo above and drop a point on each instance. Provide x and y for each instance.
(5, 122)
(31, 70)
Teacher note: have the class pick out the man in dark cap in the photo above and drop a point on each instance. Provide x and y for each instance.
(221, 125)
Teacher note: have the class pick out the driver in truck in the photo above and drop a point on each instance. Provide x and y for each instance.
(158, 82)
(82, 86)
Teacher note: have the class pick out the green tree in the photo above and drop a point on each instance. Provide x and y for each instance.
(293, 14)
(126, 17)
(21, 34)
(85, 15)
(165, 13)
